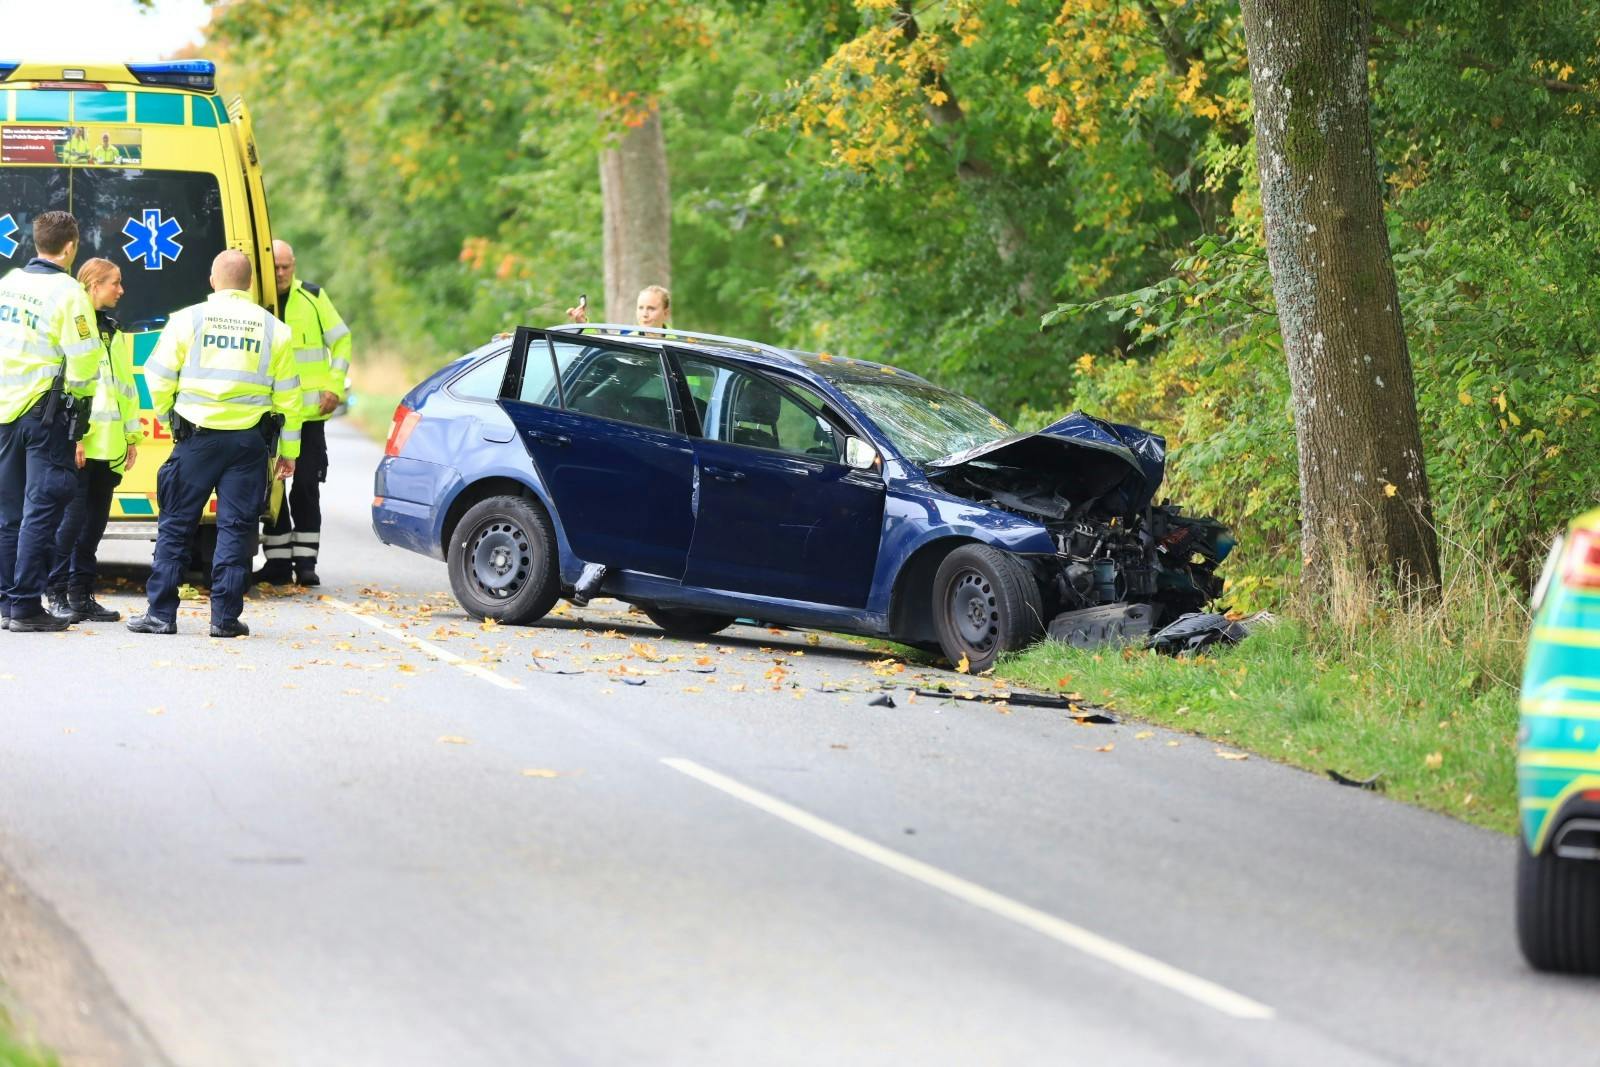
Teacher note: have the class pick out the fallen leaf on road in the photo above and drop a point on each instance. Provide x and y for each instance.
(405, 668)
(965, 666)
(813, 639)
(1232, 755)
(540, 772)
(737, 687)
(838, 746)
(489, 624)
(157, 711)
(451, 739)
(644, 651)
(1107, 747)
(1143, 735)
(1172, 744)
(1433, 760)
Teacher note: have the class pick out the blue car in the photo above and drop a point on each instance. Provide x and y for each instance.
(706, 479)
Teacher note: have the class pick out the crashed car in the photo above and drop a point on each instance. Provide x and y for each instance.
(707, 479)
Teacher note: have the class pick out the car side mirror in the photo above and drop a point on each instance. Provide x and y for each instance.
(859, 454)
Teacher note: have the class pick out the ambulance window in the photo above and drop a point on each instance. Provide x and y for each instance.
(163, 228)
(482, 381)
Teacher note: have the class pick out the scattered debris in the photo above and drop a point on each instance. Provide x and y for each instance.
(1081, 712)
(1200, 629)
(630, 680)
(882, 701)
(1374, 783)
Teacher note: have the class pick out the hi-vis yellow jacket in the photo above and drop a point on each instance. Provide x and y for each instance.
(224, 364)
(114, 412)
(321, 345)
(46, 322)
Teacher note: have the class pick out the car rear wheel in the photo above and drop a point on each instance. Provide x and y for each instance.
(1558, 912)
(502, 560)
(985, 604)
(687, 622)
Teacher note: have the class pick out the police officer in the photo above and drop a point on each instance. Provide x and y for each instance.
(220, 370)
(49, 354)
(322, 356)
(108, 448)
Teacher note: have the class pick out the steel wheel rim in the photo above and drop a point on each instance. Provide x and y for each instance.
(973, 611)
(502, 559)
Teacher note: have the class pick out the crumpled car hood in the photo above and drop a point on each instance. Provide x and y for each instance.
(1118, 467)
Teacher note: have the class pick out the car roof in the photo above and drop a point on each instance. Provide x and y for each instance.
(822, 364)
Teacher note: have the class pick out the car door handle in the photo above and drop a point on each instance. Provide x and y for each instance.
(545, 437)
(723, 474)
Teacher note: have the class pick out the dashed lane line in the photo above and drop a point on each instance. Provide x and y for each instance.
(1101, 948)
(443, 655)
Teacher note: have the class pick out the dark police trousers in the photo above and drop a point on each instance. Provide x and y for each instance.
(37, 477)
(83, 524)
(294, 538)
(234, 463)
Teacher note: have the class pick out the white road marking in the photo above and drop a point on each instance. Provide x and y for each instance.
(1134, 962)
(441, 654)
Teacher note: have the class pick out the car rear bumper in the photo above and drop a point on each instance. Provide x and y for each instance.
(405, 525)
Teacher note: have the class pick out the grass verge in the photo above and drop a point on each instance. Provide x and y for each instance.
(1427, 699)
(14, 1052)
(380, 381)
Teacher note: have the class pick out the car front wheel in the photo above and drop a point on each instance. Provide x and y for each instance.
(1558, 912)
(502, 561)
(985, 604)
(687, 622)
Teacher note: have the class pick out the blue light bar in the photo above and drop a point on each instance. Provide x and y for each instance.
(183, 73)
(6, 69)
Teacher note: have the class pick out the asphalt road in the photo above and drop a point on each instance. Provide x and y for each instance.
(378, 833)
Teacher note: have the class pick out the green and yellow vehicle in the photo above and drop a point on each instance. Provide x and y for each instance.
(1558, 761)
(161, 176)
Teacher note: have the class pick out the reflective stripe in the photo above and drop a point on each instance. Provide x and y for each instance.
(266, 348)
(29, 377)
(279, 553)
(291, 435)
(274, 540)
(198, 313)
(76, 385)
(292, 382)
(225, 374)
(305, 550)
(159, 372)
(335, 333)
(82, 348)
(339, 364)
(33, 348)
(257, 401)
(105, 416)
(311, 538)
(310, 355)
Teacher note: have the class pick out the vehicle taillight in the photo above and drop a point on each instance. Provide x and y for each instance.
(405, 420)
(1582, 568)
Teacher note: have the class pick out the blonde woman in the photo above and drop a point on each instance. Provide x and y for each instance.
(108, 448)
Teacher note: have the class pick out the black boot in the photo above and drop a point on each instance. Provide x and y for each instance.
(85, 608)
(274, 572)
(306, 574)
(58, 602)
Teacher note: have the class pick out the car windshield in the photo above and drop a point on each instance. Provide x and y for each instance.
(924, 422)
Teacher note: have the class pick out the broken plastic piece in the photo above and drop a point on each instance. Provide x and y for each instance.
(1357, 783)
(632, 681)
(1197, 630)
(1081, 712)
(1103, 625)
(588, 583)
(883, 700)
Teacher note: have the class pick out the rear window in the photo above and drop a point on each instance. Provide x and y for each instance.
(162, 227)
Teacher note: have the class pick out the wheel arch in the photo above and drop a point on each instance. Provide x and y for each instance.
(911, 603)
(482, 490)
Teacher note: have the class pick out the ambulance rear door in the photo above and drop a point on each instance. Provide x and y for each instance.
(266, 291)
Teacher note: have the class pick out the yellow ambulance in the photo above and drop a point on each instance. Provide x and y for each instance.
(161, 177)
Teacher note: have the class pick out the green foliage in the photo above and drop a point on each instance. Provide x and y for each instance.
(925, 184)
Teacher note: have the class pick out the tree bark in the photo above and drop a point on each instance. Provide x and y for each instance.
(1366, 508)
(637, 204)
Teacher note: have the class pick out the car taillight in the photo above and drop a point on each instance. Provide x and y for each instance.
(1582, 568)
(405, 420)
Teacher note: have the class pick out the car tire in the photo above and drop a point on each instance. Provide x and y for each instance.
(502, 561)
(687, 622)
(1558, 912)
(985, 604)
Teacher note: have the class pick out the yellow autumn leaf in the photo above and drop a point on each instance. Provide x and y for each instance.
(1389, 489)
(1143, 735)
(1466, 400)
(1233, 755)
(451, 739)
(540, 772)
(965, 666)
(1433, 760)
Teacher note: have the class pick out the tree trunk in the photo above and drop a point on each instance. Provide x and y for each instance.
(1365, 505)
(638, 217)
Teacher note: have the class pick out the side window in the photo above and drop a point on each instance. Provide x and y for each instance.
(482, 381)
(626, 386)
(751, 410)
